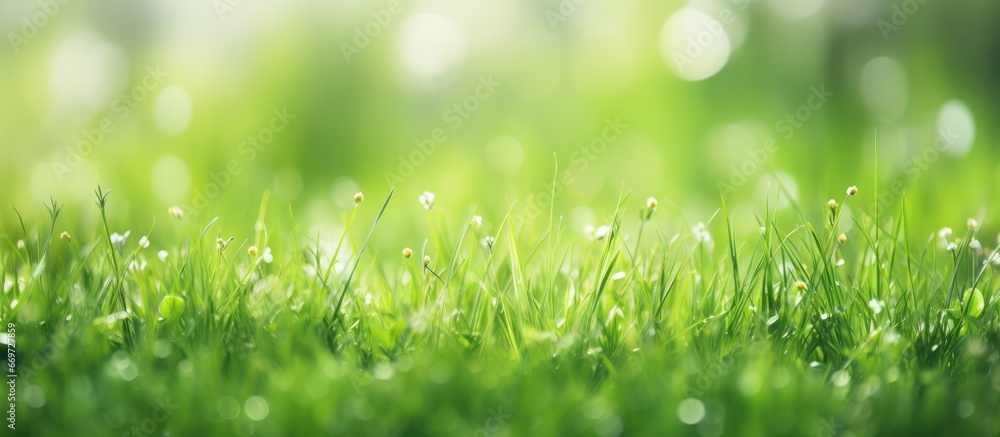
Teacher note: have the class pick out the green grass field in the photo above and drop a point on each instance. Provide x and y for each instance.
(502, 326)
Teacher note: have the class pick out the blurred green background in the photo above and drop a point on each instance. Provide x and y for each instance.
(696, 89)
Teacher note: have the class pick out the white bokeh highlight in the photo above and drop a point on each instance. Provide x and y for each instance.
(957, 127)
(172, 111)
(431, 49)
(694, 45)
(885, 89)
(170, 179)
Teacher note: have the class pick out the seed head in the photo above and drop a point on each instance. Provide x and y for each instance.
(651, 203)
(253, 251)
(358, 198)
(175, 212)
(65, 236)
(832, 203)
(427, 261)
(842, 238)
(852, 191)
(223, 244)
(973, 224)
(407, 253)
(21, 245)
(800, 285)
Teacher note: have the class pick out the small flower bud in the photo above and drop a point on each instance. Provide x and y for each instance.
(427, 260)
(253, 250)
(407, 253)
(65, 236)
(842, 238)
(832, 203)
(358, 198)
(973, 224)
(651, 203)
(21, 245)
(175, 212)
(800, 285)
(852, 191)
(427, 200)
(477, 221)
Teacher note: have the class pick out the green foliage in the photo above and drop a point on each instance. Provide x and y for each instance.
(505, 330)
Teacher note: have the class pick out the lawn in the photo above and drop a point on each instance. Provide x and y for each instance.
(490, 328)
(500, 218)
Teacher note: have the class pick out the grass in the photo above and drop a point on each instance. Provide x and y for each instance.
(506, 330)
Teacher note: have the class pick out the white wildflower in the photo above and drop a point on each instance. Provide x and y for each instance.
(118, 240)
(701, 234)
(162, 255)
(267, 257)
(175, 212)
(427, 200)
(144, 242)
(876, 305)
(975, 244)
(477, 221)
(994, 258)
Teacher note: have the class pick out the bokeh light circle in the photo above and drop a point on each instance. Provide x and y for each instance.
(694, 45)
